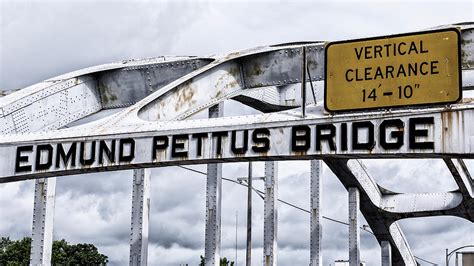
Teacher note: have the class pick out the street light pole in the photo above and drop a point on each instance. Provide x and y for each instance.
(236, 226)
(447, 260)
(249, 217)
(449, 254)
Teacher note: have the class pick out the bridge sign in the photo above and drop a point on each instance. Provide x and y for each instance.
(398, 70)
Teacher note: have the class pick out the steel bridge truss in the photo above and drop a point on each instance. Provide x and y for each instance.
(143, 99)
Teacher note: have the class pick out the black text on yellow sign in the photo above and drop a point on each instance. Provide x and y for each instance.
(399, 70)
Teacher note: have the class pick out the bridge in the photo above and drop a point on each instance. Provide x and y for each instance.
(137, 114)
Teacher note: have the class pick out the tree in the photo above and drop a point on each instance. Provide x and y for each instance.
(223, 262)
(17, 252)
(80, 254)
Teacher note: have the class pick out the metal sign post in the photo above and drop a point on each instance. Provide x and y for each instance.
(304, 67)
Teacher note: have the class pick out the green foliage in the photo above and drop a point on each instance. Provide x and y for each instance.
(17, 252)
(80, 254)
(14, 253)
(223, 262)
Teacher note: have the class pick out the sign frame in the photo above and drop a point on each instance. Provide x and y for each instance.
(453, 29)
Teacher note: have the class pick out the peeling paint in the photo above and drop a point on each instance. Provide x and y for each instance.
(106, 94)
(184, 95)
(467, 47)
(225, 82)
(257, 69)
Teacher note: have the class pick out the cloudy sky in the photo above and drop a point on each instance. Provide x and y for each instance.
(40, 40)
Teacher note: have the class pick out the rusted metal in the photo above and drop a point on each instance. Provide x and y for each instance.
(266, 78)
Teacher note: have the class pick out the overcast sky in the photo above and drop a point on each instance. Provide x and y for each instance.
(40, 40)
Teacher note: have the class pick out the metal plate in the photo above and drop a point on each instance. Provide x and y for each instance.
(399, 70)
(124, 87)
(424, 135)
(282, 67)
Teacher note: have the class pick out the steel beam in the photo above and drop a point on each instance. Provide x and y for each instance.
(280, 127)
(461, 176)
(401, 243)
(354, 231)
(398, 206)
(316, 256)
(43, 218)
(213, 203)
(270, 222)
(465, 182)
(353, 173)
(386, 253)
(140, 217)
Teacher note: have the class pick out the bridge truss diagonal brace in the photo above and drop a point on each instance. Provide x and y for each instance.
(353, 173)
(401, 244)
(386, 253)
(270, 222)
(43, 220)
(140, 217)
(461, 175)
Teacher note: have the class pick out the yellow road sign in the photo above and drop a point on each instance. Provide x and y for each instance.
(399, 70)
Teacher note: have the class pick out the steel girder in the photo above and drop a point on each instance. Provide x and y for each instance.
(270, 214)
(212, 240)
(265, 78)
(353, 174)
(382, 208)
(66, 99)
(43, 217)
(140, 217)
(316, 227)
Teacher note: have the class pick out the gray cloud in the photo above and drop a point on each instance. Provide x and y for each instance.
(51, 38)
(43, 39)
